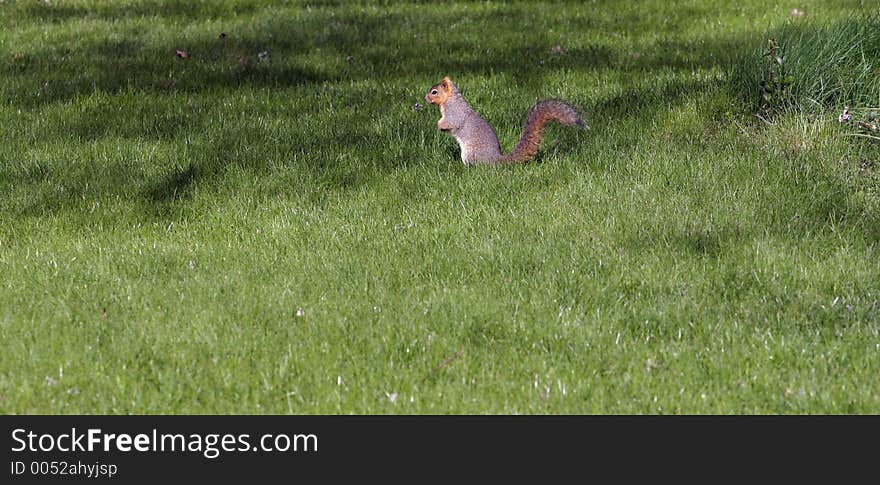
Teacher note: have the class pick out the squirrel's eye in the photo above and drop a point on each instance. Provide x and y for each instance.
(433, 92)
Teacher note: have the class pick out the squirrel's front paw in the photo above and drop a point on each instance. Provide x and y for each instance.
(443, 125)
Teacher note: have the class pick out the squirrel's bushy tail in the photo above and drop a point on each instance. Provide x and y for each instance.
(541, 113)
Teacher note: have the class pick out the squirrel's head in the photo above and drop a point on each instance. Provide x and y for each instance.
(440, 92)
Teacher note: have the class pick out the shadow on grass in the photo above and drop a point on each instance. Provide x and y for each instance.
(352, 46)
(173, 186)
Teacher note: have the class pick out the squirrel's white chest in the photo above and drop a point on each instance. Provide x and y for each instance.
(459, 136)
(465, 152)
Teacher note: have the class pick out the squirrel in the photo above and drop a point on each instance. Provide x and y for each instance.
(477, 139)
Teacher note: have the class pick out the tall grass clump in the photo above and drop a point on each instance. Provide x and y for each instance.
(809, 68)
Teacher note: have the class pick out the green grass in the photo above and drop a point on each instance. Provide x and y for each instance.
(826, 65)
(224, 235)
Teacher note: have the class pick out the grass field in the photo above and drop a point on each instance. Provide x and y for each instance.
(230, 234)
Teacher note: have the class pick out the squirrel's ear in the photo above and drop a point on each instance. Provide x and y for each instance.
(447, 84)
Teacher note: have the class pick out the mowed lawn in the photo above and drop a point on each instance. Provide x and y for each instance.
(264, 222)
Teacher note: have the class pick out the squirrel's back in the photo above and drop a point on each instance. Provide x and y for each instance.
(474, 134)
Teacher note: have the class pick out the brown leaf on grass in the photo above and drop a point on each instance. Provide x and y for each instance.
(796, 12)
(870, 125)
(557, 49)
(181, 54)
(445, 363)
(103, 313)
